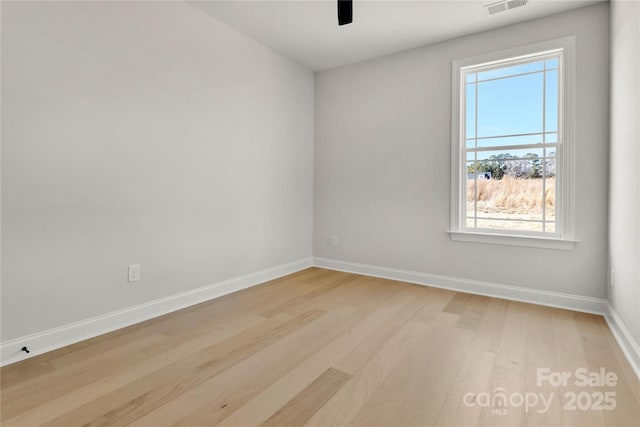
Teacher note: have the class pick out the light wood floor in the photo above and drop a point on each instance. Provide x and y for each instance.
(323, 348)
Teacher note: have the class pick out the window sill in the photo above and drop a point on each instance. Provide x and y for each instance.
(511, 240)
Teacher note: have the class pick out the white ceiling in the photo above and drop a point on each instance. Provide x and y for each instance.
(308, 32)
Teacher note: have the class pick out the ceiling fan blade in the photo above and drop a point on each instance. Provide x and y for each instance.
(345, 12)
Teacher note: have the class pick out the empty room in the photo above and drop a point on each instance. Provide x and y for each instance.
(320, 213)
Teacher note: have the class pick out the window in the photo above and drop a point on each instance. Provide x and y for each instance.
(512, 147)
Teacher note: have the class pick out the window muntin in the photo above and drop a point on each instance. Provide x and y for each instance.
(510, 141)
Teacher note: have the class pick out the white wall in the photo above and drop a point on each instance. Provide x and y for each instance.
(382, 162)
(624, 186)
(146, 133)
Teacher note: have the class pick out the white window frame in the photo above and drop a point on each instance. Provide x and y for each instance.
(564, 238)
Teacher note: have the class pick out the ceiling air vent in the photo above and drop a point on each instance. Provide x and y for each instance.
(503, 5)
(512, 4)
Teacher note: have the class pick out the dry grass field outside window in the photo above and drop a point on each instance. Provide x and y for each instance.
(513, 199)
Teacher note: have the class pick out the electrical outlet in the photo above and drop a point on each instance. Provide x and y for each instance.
(334, 240)
(612, 279)
(134, 273)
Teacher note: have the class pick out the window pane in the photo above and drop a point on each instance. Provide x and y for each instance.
(551, 101)
(552, 63)
(471, 77)
(510, 225)
(471, 114)
(509, 71)
(510, 106)
(510, 140)
(523, 153)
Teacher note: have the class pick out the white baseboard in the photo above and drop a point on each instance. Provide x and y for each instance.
(51, 339)
(515, 293)
(626, 342)
(547, 298)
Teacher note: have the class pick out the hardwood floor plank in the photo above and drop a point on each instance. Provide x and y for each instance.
(507, 374)
(513, 338)
(473, 312)
(570, 355)
(541, 353)
(426, 401)
(27, 371)
(323, 286)
(490, 329)
(459, 303)
(475, 372)
(600, 356)
(299, 409)
(361, 293)
(435, 300)
(473, 378)
(369, 347)
(406, 396)
(346, 404)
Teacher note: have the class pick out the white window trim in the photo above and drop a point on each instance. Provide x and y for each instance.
(565, 197)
